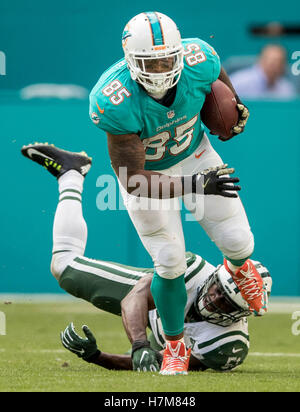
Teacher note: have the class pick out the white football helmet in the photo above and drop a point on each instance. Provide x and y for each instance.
(153, 50)
(230, 306)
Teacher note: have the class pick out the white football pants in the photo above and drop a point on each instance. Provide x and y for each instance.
(158, 222)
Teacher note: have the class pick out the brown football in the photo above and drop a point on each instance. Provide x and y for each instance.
(219, 112)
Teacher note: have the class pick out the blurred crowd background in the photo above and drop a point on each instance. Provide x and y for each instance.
(59, 48)
(51, 55)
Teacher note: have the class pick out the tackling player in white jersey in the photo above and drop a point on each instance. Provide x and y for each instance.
(215, 325)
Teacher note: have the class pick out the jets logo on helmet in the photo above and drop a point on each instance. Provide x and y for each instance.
(153, 51)
(219, 300)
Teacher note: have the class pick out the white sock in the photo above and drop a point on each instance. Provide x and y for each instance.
(232, 267)
(70, 229)
(71, 180)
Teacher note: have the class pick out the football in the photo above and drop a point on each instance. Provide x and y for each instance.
(219, 112)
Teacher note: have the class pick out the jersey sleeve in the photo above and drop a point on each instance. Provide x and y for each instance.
(219, 348)
(102, 117)
(225, 357)
(201, 61)
(213, 60)
(114, 107)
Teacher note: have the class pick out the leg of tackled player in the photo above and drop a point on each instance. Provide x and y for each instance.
(69, 229)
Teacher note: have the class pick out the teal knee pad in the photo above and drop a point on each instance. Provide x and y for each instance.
(170, 298)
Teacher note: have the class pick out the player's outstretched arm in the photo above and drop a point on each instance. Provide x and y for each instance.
(135, 307)
(127, 156)
(242, 109)
(87, 349)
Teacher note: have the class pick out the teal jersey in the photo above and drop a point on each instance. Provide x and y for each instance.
(118, 105)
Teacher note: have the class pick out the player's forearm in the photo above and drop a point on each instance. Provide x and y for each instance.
(112, 361)
(127, 154)
(135, 308)
(135, 320)
(145, 183)
(225, 79)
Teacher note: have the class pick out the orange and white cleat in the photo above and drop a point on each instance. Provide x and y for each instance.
(176, 359)
(251, 286)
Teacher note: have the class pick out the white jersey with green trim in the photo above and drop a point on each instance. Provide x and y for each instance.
(105, 284)
(216, 346)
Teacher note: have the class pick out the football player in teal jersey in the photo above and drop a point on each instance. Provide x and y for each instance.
(149, 105)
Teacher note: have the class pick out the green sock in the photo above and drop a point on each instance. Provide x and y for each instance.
(170, 298)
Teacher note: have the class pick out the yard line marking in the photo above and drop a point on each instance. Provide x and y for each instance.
(48, 351)
(295, 355)
(39, 351)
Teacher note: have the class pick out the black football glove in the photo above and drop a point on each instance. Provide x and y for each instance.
(211, 181)
(242, 120)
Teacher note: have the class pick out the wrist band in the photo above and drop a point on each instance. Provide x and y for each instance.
(138, 344)
(93, 357)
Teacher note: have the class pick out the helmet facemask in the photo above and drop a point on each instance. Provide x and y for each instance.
(214, 304)
(156, 72)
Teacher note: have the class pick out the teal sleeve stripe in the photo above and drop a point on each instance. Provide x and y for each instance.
(234, 333)
(157, 33)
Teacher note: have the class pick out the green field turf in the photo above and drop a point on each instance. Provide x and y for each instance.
(33, 359)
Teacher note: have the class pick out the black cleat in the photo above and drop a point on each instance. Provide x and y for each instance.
(57, 161)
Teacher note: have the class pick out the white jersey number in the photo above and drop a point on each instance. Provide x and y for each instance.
(193, 54)
(116, 92)
(183, 137)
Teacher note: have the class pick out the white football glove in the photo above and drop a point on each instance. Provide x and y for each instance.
(243, 118)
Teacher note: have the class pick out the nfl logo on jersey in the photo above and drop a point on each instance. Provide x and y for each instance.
(171, 114)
